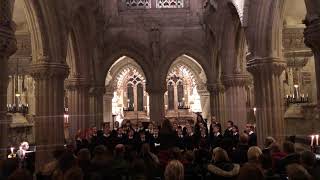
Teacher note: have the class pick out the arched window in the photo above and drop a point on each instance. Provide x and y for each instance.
(170, 96)
(130, 97)
(140, 97)
(180, 93)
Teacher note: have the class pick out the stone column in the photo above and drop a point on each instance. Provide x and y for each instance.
(268, 97)
(205, 104)
(8, 46)
(156, 103)
(96, 106)
(49, 120)
(217, 101)
(107, 106)
(236, 98)
(78, 104)
(312, 37)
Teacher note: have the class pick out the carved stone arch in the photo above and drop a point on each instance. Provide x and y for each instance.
(124, 63)
(131, 50)
(171, 54)
(241, 8)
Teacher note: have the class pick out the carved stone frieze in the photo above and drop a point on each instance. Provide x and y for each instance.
(297, 62)
(43, 71)
(266, 65)
(216, 88)
(292, 39)
(236, 80)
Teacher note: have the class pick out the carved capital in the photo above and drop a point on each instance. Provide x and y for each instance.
(76, 83)
(216, 88)
(236, 80)
(8, 42)
(47, 71)
(266, 66)
(312, 35)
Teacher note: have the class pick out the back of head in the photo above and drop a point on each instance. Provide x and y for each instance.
(145, 149)
(254, 153)
(84, 155)
(288, 147)
(308, 158)
(243, 138)
(174, 171)
(275, 148)
(20, 174)
(297, 172)
(99, 150)
(119, 150)
(219, 155)
(269, 141)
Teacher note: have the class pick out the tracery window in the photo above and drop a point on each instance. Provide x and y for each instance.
(139, 4)
(169, 3)
(143, 4)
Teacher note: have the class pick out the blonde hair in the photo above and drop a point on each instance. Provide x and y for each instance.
(219, 154)
(254, 153)
(174, 171)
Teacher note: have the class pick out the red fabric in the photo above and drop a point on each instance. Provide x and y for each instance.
(276, 158)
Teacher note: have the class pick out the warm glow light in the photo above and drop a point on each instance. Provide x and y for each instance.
(254, 109)
(296, 86)
(18, 94)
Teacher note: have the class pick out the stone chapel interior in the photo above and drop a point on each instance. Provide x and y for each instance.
(73, 64)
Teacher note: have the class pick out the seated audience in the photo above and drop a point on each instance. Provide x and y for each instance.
(252, 169)
(297, 172)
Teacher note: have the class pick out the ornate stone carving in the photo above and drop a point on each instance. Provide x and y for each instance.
(76, 83)
(48, 70)
(266, 65)
(236, 80)
(216, 88)
(292, 39)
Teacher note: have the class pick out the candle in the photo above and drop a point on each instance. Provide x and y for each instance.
(11, 149)
(312, 138)
(317, 138)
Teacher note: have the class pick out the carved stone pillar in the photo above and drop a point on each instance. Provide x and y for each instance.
(156, 103)
(312, 37)
(268, 97)
(78, 104)
(236, 98)
(107, 106)
(96, 106)
(205, 104)
(8, 46)
(217, 102)
(49, 119)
